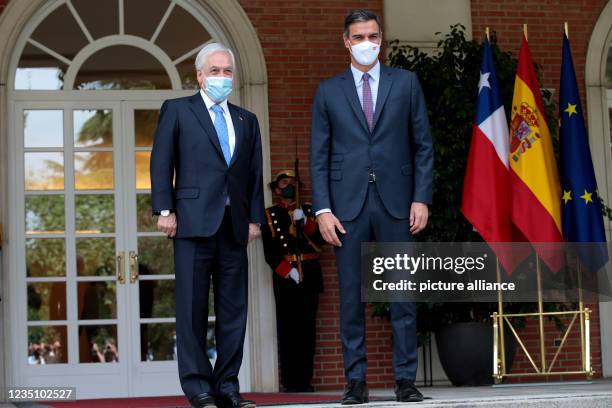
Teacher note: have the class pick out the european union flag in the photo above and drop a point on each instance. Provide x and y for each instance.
(582, 215)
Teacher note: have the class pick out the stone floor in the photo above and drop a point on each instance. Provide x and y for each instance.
(595, 394)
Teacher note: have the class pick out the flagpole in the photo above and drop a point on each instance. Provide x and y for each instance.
(539, 283)
(500, 308)
(583, 346)
(581, 310)
(541, 313)
(584, 331)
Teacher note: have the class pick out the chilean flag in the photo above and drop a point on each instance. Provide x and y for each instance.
(486, 188)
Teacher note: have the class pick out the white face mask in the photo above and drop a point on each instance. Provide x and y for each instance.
(365, 52)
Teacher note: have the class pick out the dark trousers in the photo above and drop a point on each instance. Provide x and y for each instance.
(374, 223)
(296, 313)
(196, 260)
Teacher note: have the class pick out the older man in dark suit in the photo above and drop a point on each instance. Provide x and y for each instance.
(371, 164)
(213, 209)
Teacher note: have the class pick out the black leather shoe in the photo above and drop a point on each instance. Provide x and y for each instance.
(356, 392)
(405, 391)
(204, 400)
(234, 400)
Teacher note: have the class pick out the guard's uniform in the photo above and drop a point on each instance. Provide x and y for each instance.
(296, 304)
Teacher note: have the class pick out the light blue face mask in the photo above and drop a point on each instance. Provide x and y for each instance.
(218, 88)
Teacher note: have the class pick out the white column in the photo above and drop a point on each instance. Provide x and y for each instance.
(599, 142)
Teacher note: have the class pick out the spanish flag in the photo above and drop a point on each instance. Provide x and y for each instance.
(534, 178)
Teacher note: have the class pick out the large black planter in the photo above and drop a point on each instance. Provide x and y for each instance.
(466, 352)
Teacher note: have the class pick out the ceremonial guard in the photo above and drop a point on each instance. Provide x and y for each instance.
(292, 244)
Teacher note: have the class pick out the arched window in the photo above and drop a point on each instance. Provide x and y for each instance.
(118, 45)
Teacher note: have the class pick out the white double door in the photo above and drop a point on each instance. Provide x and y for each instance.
(94, 301)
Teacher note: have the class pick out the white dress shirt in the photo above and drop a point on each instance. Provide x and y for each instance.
(226, 114)
(374, 81)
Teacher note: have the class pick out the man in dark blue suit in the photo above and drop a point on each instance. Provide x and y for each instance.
(371, 164)
(212, 210)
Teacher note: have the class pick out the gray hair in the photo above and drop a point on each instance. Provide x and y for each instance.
(210, 49)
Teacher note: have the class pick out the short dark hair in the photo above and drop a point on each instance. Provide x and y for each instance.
(360, 16)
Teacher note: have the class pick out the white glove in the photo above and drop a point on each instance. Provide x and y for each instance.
(298, 214)
(294, 274)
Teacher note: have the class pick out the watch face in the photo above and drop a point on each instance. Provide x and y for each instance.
(165, 213)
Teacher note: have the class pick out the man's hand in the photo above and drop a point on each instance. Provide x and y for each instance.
(327, 226)
(419, 213)
(254, 231)
(167, 224)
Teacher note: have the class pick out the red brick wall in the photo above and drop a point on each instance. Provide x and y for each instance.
(545, 29)
(302, 43)
(545, 20)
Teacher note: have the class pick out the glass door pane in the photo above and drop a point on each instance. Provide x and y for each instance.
(45, 272)
(95, 238)
(151, 291)
(75, 329)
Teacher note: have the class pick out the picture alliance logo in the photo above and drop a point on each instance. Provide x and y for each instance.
(412, 264)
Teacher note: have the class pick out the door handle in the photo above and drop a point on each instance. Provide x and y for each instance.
(121, 267)
(133, 266)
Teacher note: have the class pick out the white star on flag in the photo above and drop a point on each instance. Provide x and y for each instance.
(484, 81)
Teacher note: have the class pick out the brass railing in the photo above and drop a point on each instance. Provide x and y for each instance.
(501, 320)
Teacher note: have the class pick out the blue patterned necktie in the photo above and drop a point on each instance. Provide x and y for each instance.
(222, 133)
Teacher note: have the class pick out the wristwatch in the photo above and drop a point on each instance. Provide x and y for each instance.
(164, 213)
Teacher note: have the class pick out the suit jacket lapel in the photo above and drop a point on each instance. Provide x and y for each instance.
(386, 79)
(350, 91)
(238, 122)
(198, 107)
